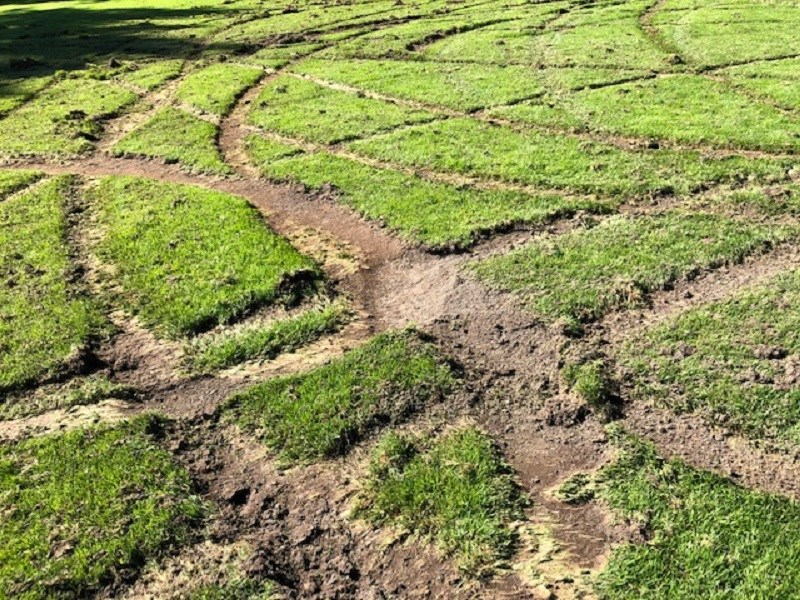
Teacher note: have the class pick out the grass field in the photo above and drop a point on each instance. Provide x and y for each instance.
(400, 276)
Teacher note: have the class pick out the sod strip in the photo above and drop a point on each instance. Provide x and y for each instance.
(13, 181)
(187, 258)
(737, 362)
(456, 491)
(439, 215)
(82, 508)
(706, 537)
(322, 413)
(583, 274)
(298, 108)
(264, 341)
(469, 147)
(176, 137)
(215, 89)
(45, 322)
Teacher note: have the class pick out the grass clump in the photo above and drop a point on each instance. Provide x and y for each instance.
(583, 274)
(215, 89)
(736, 361)
(439, 215)
(593, 383)
(45, 322)
(176, 137)
(298, 108)
(13, 181)
(458, 86)
(456, 491)
(264, 341)
(82, 506)
(323, 412)
(78, 391)
(468, 147)
(707, 537)
(63, 120)
(187, 258)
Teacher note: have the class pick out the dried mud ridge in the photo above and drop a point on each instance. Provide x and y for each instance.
(296, 520)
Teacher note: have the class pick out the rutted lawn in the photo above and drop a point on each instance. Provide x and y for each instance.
(45, 319)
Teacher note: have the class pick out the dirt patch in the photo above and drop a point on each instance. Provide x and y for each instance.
(62, 420)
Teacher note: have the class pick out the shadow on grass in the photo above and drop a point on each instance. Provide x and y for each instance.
(37, 39)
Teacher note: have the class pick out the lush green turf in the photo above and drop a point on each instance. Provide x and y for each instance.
(552, 160)
(727, 33)
(214, 89)
(707, 111)
(62, 120)
(455, 490)
(436, 214)
(151, 76)
(585, 273)
(187, 258)
(13, 181)
(734, 361)
(302, 109)
(177, 137)
(707, 537)
(461, 87)
(78, 391)
(81, 506)
(776, 81)
(325, 411)
(44, 319)
(263, 341)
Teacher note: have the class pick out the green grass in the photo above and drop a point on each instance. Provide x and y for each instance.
(187, 258)
(302, 109)
(461, 87)
(16, 91)
(214, 89)
(45, 321)
(63, 120)
(593, 383)
(733, 32)
(583, 274)
(707, 537)
(324, 412)
(78, 391)
(552, 160)
(455, 490)
(82, 506)
(264, 341)
(437, 214)
(276, 57)
(734, 361)
(13, 181)
(176, 137)
(775, 81)
(708, 112)
(151, 76)
(237, 589)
